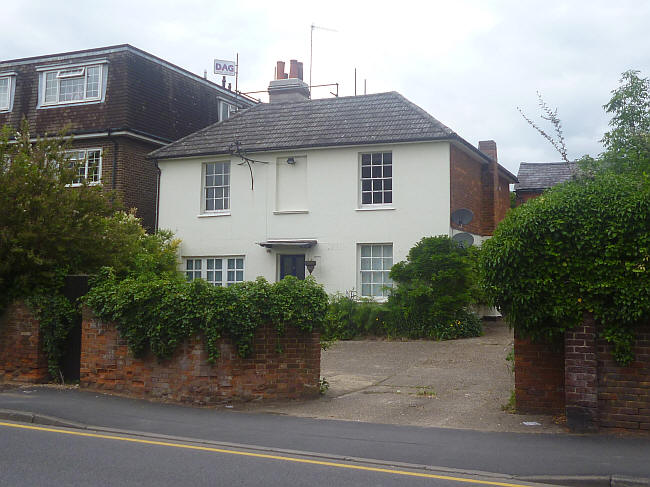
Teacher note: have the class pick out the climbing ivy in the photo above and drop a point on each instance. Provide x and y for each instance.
(581, 247)
(157, 313)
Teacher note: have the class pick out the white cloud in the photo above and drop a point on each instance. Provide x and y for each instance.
(469, 63)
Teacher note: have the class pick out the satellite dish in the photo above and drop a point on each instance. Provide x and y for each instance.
(462, 216)
(463, 239)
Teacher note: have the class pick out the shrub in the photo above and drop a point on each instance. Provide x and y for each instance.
(157, 313)
(347, 318)
(584, 246)
(433, 292)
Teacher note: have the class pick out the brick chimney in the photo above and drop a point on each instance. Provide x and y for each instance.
(490, 183)
(287, 88)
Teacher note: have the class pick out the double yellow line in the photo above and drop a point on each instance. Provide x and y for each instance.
(263, 455)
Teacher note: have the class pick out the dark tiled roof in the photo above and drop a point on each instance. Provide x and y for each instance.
(368, 119)
(542, 175)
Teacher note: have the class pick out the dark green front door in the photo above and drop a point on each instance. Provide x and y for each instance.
(292, 265)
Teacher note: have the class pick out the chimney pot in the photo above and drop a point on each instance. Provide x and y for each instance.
(300, 70)
(279, 70)
(293, 69)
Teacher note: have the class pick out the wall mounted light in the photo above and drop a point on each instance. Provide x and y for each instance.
(291, 160)
(310, 264)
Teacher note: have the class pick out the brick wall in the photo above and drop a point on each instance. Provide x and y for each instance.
(624, 392)
(22, 358)
(523, 196)
(539, 377)
(474, 186)
(584, 381)
(107, 365)
(466, 188)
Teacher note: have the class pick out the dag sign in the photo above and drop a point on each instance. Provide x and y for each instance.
(227, 68)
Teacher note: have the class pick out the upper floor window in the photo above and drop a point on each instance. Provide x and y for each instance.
(376, 178)
(216, 187)
(72, 85)
(88, 165)
(6, 90)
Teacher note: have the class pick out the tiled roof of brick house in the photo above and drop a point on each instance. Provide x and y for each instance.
(543, 175)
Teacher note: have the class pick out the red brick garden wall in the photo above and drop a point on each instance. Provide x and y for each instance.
(107, 365)
(539, 377)
(584, 381)
(624, 392)
(22, 358)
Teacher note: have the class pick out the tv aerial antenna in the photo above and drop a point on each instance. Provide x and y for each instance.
(311, 46)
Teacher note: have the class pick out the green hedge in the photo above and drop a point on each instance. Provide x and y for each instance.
(158, 313)
(582, 247)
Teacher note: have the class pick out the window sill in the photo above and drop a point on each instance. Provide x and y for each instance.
(290, 212)
(375, 208)
(376, 299)
(68, 104)
(211, 215)
(78, 185)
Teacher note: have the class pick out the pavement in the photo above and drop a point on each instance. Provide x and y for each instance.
(564, 459)
(451, 384)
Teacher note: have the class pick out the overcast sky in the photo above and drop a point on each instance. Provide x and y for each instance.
(468, 63)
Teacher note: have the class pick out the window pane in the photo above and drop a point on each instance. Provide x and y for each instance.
(376, 184)
(51, 88)
(189, 265)
(218, 204)
(366, 198)
(376, 289)
(231, 276)
(365, 250)
(210, 263)
(365, 172)
(218, 276)
(365, 159)
(71, 89)
(388, 251)
(210, 276)
(365, 264)
(377, 197)
(376, 171)
(366, 185)
(231, 263)
(92, 82)
(209, 205)
(94, 158)
(388, 197)
(240, 263)
(376, 158)
(240, 276)
(388, 171)
(388, 184)
(4, 93)
(365, 290)
(388, 158)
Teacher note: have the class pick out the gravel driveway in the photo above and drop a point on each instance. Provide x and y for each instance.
(455, 384)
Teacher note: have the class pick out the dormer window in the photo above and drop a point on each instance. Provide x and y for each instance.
(226, 110)
(72, 84)
(6, 91)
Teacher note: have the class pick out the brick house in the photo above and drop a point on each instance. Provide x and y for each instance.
(119, 103)
(536, 177)
(345, 186)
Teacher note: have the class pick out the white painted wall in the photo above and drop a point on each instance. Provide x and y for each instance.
(421, 185)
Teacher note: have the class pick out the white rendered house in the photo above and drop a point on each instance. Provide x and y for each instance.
(345, 186)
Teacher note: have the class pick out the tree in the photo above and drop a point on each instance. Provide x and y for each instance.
(49, 229)
(627, 144)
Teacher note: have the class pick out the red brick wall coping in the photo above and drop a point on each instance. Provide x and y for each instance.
(107, 365)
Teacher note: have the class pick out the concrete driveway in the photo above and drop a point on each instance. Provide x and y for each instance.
(455, 384)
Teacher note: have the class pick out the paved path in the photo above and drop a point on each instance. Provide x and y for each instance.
(452, 384)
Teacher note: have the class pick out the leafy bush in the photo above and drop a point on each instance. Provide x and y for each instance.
(433, 292)
(347, 318)
(584, 246)
(158, 312)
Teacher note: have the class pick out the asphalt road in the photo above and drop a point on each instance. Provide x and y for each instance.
(505, 453)
(45, 456)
